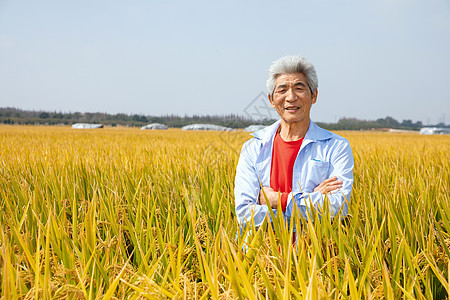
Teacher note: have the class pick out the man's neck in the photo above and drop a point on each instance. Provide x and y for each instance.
(293, 131)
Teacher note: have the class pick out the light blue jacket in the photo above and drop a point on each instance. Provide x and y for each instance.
(322, 155)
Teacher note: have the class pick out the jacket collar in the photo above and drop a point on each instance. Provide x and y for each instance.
(314, 133)
(268, 132)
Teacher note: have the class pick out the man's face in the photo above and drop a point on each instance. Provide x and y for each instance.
(292, 98)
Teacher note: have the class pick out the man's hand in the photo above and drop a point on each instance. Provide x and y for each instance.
(329, 185)
(272, 196)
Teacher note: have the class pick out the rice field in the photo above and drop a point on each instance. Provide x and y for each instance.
(120, 213)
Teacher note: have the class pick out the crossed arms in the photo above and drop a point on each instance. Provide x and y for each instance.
(337, 182)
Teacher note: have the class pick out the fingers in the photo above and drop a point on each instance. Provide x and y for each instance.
(268, 195)
(261, 198)
(329, 180)
(333, 186)
(326, 181)
(329, 185)
(263, 194)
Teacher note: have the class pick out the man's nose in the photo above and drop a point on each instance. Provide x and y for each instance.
(290, 95)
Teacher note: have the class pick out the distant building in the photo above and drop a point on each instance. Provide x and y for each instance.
(206, 127)
(86, 126)
(401, 131)
(253, 128)
(155, 126)
(434, 130)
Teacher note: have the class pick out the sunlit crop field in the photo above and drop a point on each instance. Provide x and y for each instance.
(125, 213)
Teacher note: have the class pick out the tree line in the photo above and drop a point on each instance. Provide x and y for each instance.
(9, 115)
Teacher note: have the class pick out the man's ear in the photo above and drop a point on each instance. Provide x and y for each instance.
(271, 100)
(314, 98)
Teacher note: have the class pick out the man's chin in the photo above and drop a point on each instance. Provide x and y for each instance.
(291, 119)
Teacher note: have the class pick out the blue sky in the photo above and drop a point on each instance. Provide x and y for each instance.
(373, 58)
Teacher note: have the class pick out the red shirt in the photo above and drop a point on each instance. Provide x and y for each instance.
(283, 158)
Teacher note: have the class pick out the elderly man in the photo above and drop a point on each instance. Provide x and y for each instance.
(293, 160)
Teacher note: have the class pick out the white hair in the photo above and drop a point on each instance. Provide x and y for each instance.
(289, 65)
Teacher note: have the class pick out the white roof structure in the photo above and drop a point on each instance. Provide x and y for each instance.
(86, 126)
(155, 126)
(434, 130)
(253, 128)
(206, 127)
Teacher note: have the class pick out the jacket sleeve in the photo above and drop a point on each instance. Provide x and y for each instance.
(247, 187)
(341, 166)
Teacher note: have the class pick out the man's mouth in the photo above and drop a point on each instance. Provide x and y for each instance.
(292, 108)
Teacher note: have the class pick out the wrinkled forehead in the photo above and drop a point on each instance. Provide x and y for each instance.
(291, 79)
